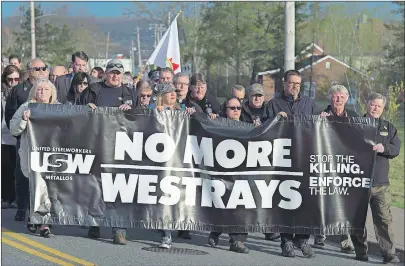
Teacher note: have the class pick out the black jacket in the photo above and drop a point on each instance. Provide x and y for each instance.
(247, 116)
(190, 104)
(303, 105)
(207, 101)
(92, 92)
(347, 113)
(387, 135)
(63, 84)
(18, 95)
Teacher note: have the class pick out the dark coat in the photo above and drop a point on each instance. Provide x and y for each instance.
(208, 99)
(348, 113)
(387, 135)
(63, 84)
(303, 105)
(18, 95)
(247, 116)
(91, 95)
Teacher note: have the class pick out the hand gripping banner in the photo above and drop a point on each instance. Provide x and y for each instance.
(168, 170)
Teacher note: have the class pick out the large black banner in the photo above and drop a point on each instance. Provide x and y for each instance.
(154, 170)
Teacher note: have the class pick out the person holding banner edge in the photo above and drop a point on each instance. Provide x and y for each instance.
(42, 91)
(388, 147)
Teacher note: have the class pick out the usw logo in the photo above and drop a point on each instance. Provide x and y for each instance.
(61, 162)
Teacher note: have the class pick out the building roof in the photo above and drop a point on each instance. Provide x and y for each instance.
(316, 59)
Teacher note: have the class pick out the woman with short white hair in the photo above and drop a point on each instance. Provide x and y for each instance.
(43, 91)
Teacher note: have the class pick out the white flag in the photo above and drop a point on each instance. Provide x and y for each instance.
(167, 52)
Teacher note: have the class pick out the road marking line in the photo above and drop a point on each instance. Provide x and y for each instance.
(35, 244)
(34, 252)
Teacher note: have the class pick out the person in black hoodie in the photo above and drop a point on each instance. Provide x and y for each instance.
(387, 147)
(198, 94)
(80, 82)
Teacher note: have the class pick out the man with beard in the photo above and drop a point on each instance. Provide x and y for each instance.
(292, 102)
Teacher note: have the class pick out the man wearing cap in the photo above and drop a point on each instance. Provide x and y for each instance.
(62, 83)
(253, 110)
(109, 93)
(198, 94)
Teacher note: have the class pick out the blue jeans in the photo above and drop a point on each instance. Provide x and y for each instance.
(22, 188)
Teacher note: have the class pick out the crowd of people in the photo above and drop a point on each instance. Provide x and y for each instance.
(162, 90)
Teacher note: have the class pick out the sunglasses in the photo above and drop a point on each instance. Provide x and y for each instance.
(13, 79)
(146, 95)
(115, 65)
(83, 83)
(39, 68)
(233, 108)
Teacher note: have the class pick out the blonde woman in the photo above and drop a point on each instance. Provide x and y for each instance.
(167, 98)
(43, 91)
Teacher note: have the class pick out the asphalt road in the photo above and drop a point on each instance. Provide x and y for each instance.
(70, 246)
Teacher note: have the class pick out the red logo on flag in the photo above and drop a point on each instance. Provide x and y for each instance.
(173, 66)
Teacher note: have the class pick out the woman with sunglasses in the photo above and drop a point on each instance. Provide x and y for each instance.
(231, 109)
(80, 82)
(9, 78)
(144, 91)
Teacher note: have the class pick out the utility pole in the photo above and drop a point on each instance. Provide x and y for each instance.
(33, 41)
(139, 48)
(289, 36)
(168, 20)
(132, 56)
(108, 40)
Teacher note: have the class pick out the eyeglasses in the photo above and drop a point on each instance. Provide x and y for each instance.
(257, 95)
(294, 84)
(182, 84)
(233, 108)
(146, 95)
(115, 65)
(13, 79)
(39, 68)
(83, 83)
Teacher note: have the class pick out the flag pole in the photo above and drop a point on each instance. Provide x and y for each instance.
(145, 65)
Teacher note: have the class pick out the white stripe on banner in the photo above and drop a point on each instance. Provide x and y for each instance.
(196, 170)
